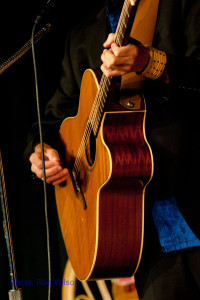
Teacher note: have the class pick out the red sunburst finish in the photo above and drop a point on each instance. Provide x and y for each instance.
(121, 205)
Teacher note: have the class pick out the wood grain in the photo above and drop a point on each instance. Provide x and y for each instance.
(105, 239)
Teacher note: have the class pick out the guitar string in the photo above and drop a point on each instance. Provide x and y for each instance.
(99, 103)
(96, 111)
(117, 34)
(120, 28)
(88, 128)
(94, 115)
(97, 108)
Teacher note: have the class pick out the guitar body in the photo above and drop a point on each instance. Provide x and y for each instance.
(102, 226)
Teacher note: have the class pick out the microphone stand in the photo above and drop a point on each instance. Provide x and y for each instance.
(14, 293)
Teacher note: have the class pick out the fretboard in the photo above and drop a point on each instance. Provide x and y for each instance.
(123, 29)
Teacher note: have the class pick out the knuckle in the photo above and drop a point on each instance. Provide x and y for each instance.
(54, 151)
(111, 62)
(32, 157)
(116, 52)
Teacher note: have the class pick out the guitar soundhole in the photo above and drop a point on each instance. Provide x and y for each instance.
(90, 145)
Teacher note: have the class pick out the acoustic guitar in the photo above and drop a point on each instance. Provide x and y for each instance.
(101, 206)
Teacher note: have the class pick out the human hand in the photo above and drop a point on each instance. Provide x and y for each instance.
(118, 61)
(54, 171)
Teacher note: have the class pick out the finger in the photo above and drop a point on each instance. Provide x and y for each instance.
(134, 58)
(112, 72)
(107, 54)
(52, 154)
(125, 57)
(120, 65)
(58, 178)
(49, 152)
(109, 41)
(36, 162)
(48, 164)
(48, 171)
(128, 50)
(112, 61)
(108, 58)
(130, 55)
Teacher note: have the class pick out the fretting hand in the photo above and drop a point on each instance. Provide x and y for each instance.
(118, 61)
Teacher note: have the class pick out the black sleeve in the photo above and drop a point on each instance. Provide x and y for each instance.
(64, 103)
(184, 66)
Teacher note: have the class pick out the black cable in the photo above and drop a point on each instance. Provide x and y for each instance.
(43, 161)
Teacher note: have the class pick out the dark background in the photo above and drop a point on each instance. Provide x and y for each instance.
(17, 113)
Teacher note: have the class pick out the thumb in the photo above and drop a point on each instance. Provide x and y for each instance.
(52, 154)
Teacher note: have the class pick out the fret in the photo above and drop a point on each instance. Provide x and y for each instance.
(104, 86)
(123, 21)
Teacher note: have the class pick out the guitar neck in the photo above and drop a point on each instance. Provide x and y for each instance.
(121, 38)
(126, 21)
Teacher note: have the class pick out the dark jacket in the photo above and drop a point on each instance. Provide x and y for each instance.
(172, 124)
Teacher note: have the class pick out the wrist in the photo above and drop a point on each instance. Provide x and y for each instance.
(156, 65)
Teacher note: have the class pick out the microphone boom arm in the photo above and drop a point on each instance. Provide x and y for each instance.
(24, 48)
